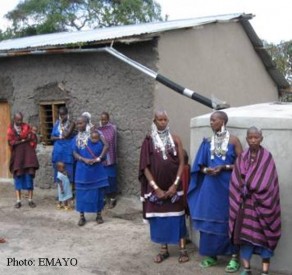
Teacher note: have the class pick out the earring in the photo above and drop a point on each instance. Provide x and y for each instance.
(223, 128)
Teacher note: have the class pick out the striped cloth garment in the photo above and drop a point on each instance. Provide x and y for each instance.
(254, 192)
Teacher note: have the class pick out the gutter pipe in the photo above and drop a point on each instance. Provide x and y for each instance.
(215, 104)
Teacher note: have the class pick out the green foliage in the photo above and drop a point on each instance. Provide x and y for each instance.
(282, 56)
(32, 17)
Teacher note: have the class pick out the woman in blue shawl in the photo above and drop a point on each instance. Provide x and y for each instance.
(208, 194)
(62, 135)
(90, 175)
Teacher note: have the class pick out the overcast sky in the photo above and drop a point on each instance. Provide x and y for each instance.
(272, 21)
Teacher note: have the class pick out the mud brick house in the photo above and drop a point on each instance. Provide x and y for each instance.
(219, 56)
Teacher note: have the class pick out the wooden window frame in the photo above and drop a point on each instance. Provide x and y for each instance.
(48, 111)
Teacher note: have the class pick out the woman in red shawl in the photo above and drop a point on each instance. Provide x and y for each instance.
(255, 215)
(23, 161)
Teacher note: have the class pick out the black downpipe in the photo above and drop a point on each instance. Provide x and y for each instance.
(176, 87)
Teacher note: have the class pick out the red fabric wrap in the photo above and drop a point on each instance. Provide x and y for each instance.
(23, 156)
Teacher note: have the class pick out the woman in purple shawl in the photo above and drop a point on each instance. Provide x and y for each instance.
(160, 170)
(209, 190)
(255, 215)
(109, 132)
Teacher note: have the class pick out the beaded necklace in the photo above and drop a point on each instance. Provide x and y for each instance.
(63, 126)
(162, 140)
(219, 144)
(82, 139)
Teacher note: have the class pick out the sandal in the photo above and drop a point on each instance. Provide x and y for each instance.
(99, 219)
(208, 262)
(112, 203)
(59, 206)
(82, 221)
(2, 240)
(246, 271)
(232, 266)
(17, 205)
(162, 255)
(67, 208)
(183, 256)
(31, 204)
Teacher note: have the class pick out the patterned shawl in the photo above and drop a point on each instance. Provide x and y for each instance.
(13, 135)
(23, 158)
(109, 131)
(256, 184)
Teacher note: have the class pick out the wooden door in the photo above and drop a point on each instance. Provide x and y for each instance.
(4, 148)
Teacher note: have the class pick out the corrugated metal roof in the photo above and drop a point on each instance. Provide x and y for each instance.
(111, 33)
(138, 32)
(258, 45)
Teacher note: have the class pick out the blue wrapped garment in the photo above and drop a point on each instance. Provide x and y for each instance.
(247, 250)
(111, 171)
(208, 199)
(23, 182)
(90, 180)
(90, 201)
(62, 151)
(167, 230)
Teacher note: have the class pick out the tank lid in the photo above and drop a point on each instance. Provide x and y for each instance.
(272, 115)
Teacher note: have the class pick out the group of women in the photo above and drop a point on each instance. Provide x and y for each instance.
(89, 154)
(234, 198)
(233, 195)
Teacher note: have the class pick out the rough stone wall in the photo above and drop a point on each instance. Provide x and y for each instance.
(44, 176)
(92, 82)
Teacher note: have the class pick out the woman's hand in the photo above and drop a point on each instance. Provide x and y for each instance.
(97, 160)
(88, 161)
(160, 193)
(214, 171)
(20, 141)
(171, 191)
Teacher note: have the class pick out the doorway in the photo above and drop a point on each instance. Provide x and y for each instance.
(4, 148)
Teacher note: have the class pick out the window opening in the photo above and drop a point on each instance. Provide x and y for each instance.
(48, 117)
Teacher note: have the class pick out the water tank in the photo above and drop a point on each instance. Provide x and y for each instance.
(275, 120)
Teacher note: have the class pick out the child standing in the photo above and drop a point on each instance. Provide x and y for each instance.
(33, 136)
(64, 188)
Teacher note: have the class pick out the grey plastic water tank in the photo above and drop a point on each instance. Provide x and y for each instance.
(275, 120)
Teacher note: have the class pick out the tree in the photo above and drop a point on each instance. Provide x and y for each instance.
(282, 56)
(32, 17)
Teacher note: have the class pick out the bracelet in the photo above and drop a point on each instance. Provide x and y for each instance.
(176, 181)
(153, 185)
(205, 170)
(227, 167)
(98, 159)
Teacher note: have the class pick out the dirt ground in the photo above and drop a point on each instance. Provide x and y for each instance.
(45, 240)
